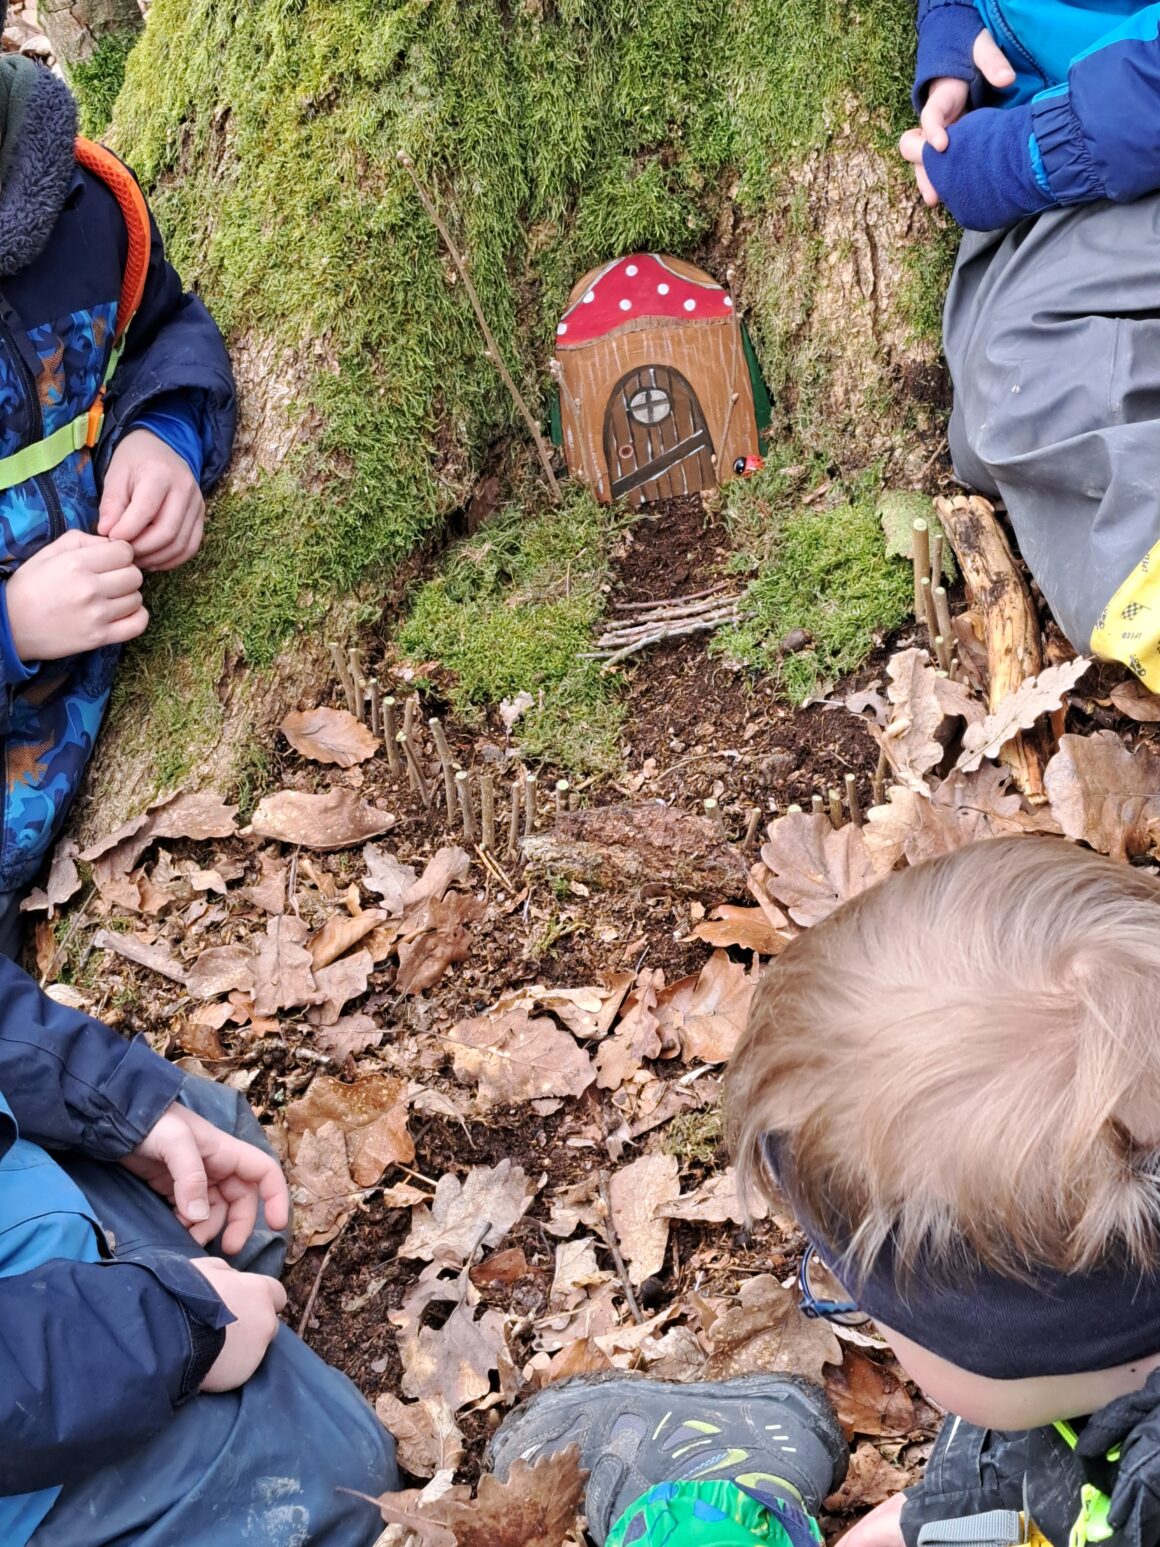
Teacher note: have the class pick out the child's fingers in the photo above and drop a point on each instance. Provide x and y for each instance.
(242, 1198)
(992, 62)
(121, 630)
(182, 1158)
(184, 546)
(164, 528)
(910, 145)
(150, 488)
(205, 1231)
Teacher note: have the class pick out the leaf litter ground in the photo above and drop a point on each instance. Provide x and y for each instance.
(468, 1068)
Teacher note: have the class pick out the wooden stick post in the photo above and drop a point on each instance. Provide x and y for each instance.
(466, 804)
(342, 672)
(487, 810)
(531, 785)
(852, 800)
(920, 550)
(837, 817)
(444, 752)
(513, 847)
(561, 796)
(391, 735)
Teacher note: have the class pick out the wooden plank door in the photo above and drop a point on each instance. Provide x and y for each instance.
(656, 442)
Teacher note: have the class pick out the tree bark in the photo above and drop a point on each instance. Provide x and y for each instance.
(75, 28)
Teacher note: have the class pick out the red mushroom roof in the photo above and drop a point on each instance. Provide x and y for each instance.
(645, 285)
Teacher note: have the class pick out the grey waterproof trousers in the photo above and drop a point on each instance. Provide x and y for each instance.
(262, 1466)
(1052, 335)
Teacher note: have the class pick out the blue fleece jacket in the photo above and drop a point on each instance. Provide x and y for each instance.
(1081, 122)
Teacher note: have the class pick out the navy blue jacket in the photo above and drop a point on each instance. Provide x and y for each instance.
(94, 1356)
(1080, 123)
(57, 320)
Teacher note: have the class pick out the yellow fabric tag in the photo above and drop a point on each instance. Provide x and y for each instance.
(1128, 629)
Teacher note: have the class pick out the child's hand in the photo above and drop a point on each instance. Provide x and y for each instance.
(256, 1302)
(78, 593)
(882, 1527)
(946, 102)
(213, 1180)
(152, 500)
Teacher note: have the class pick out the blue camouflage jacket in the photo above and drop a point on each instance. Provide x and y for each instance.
(57, 320)
(99, 1344)
(1080, 123)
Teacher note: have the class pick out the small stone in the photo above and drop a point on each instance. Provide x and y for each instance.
(796, 640)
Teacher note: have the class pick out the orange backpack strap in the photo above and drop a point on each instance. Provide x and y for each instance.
(123, 186)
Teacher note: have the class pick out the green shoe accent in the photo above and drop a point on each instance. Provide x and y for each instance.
(686, 1514)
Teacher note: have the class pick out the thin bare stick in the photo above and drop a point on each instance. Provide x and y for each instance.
(410, 710)
(573, 801)
(531, 785)
(562, 788)
(614, 1248)
(852, 800)
(493, 350)
(513, 847)
(698, 627)
(794, 810)
(466, 804)
(928, 607)
(487, 810)
(376, 708)
(817, 805)
(693, 596)
(837, 816)
(676, 609)
(942, 652)
(752, 823)
(713, 812)
(343, 675)
(304, 1319)
(937, 546)
(878, 781)
(391, 735)
(414, 772)
(357, 682)
(446, 764)
(920, 552)
(942, 612)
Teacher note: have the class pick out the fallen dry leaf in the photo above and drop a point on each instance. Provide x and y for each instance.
(352, 1034)
(435, 936)
(506, 1267)
(63, 882)
(870, 1480)
(338, 984)
(1104, 794)
(340, 933)
(637, 1193)
(718, 1010)
(220, 968)
(1019, 711)
(321, 1187)
(588, 1013)
(514, 1058)
(576, 1272)
(479, 1211)
(336, 820)
(329, 736)
(453, 1363)
(426, 1434)
(766, 1333)
(446, 867)
(536, 1506)
(143, 952)
(867, 1398)
(188, 814)
(814, 867)
(269, 891)
(749, 928)
(387, 878)
(636, 1038)
(372, 1115)
(909, 740)
(963, 809)
(1133, 699)
(715, 1202)
(283, 973)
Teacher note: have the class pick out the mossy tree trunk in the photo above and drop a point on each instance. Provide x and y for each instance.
(753, 136)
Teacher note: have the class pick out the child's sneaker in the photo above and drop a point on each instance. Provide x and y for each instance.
(769, 1434)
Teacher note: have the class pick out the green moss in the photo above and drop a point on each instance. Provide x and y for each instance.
(554, 134)
(696, 1138)
(928, 271)
(825, 571)
(97, 82)
(512, 612)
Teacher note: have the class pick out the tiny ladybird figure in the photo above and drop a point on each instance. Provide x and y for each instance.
(745, 467)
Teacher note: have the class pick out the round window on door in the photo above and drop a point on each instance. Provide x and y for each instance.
(650, 405)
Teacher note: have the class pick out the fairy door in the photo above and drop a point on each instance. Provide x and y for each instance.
(656, 441)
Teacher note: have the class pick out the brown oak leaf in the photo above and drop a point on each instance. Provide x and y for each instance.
(335, 820)
(512, 1057)
(637, 1193)
(329, 736)
(372, 1115)
(768, 1332)
(1019, 711)
(479, 1211)
(813, 867)
(1104, 794)
(282, 970)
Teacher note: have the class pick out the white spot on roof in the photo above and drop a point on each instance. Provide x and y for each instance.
(662, 289)
(632, 271)
(561, 330)
(626, 305)
(728, 300)
(589, 298)
(690, 305)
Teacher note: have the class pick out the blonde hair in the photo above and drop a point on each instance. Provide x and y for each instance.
(967, 1056)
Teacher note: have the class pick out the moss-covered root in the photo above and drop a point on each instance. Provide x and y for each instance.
(97, 82)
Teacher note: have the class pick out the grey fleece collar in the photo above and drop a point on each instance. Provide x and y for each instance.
(38, 125)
